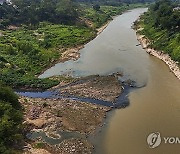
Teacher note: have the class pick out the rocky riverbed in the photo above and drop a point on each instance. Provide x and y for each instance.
(53, 115)
(106, 88)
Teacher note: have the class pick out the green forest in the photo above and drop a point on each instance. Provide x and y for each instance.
(162, 25)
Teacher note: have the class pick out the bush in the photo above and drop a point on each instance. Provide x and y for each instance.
(161, 25)
(10, 120)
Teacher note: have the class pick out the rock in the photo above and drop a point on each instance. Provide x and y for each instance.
(34, 112)
(38, 123)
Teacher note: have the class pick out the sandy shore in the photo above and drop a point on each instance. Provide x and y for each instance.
(145, 42)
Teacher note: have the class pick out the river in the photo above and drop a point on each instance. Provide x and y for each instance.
(153, 108)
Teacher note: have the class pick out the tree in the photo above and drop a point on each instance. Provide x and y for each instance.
(31, 12)
(164, 16)
(10, 119)
(66, 11)
(96, 7)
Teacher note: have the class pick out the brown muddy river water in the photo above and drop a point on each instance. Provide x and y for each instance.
(153, 108)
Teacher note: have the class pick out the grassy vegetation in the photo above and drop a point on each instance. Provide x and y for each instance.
(25, 53)
(162, 39)
(161, 25)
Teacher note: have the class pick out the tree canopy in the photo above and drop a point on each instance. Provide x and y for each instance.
(165, 16)
(35, 11)
(162, 25)
(10, 119)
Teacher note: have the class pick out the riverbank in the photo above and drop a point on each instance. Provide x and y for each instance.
(145, 42)
(74, 53)
(159, 38)
(22, 61)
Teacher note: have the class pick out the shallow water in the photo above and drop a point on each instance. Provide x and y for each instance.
(153, 108)
(62, 135)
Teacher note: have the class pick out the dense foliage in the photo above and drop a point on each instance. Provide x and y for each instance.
(35, 11)
(32, 12)
(26, 53)
(162, 25)
(165, 15)
(100, 16)
(10, 120)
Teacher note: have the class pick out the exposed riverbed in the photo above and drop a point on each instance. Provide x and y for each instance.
(153, 108)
